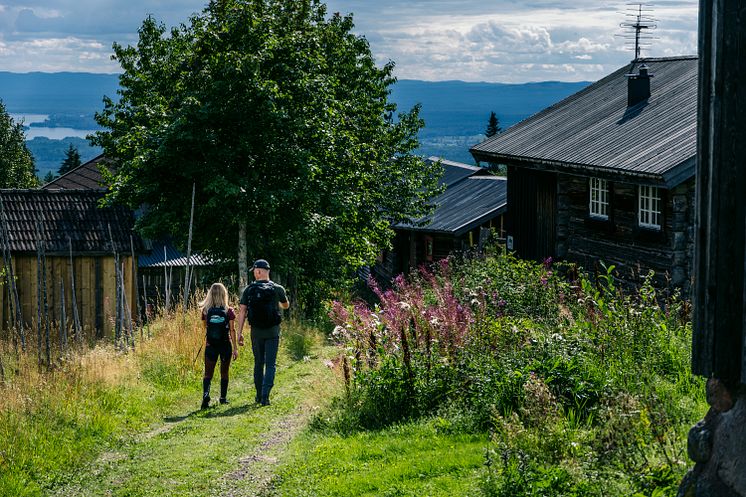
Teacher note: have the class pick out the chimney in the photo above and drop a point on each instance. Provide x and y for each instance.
(638, 86)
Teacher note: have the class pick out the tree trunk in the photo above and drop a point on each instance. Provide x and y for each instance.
(243, 250)
(187, 279)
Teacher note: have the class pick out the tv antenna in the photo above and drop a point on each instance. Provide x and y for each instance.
(640, 19)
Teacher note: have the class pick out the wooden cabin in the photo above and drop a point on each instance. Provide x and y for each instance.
(73, 225)
(607, 175)
(472, 206)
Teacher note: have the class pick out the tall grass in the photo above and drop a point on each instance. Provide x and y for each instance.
(52, 421)
(586, 389)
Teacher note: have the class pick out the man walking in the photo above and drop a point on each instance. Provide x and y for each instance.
(261, 302)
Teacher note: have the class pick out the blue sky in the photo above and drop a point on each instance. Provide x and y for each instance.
(497, 40)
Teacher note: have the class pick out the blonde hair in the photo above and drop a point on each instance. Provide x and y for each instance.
(217, 296)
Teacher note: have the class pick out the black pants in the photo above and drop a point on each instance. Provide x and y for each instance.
(225, 352)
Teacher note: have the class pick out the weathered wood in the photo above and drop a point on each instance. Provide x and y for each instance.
(98, 278)
(63, 317)
(73, 298)
(38, 296)
(719, 311)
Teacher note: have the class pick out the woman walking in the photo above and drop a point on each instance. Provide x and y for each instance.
(220, 340)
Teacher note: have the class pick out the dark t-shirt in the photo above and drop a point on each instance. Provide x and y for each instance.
(280, 297)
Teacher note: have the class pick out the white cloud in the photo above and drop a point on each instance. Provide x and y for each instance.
(470, 40)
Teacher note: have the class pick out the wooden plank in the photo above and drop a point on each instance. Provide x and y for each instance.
(98, 289)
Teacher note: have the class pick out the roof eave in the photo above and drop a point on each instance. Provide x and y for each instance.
(572, 168)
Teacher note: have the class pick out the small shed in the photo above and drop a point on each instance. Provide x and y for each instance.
(74, 227)
(163, 269)
(473, 204)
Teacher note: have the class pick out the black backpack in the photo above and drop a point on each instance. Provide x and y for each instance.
(218, 325)
(263, 310)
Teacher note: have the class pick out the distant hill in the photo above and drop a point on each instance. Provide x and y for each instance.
(455, 112)
(56, 93)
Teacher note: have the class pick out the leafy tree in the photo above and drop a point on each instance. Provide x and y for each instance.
(16, 162)
(493, 126)
(72, 160)
(281, 117)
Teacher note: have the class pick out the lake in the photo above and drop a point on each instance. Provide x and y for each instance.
(51, 133)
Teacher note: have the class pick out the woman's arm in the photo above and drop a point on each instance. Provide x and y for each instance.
(234, 343)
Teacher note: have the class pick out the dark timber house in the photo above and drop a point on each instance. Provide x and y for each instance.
(473, 203)
(607, 174)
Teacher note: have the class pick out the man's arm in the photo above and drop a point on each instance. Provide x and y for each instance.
(241, 319)
(286, 304)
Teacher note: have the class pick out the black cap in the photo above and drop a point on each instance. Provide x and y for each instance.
(260, 264)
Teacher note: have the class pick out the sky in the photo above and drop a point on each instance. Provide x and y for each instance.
(486, 40)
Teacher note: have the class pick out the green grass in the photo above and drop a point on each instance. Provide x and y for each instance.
(414, 459)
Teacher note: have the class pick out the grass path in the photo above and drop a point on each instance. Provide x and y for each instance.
(231, 450)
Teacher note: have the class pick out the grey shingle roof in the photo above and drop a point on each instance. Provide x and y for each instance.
(63, 214)
(594, 130)
(84, 177)
(464, 206)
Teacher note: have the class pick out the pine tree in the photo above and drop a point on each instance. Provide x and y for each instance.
(493, 126)
(16, 162)
(50, 176)
(72, 160)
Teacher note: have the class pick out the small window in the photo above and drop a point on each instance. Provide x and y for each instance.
(599, 198)
(650, 207)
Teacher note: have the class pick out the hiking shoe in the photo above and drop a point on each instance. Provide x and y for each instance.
(205, 402)
(257, 399)
(223, 400)
(265, 401)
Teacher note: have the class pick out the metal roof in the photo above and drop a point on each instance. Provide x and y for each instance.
(464, 206)
(453, 172)
(594, 130)
(67, 213)
(171, 257)
(84, 177)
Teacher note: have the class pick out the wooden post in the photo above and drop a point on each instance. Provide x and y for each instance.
(719, 311)
(38, 296)
(63, 318)
(18, 319)
(47, 330)
(166, 280)
(118, 294)
(76, 316)
(717, 442)
(135, 282)
(187, 279)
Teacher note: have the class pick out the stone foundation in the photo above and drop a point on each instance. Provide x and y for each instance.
(718, 445)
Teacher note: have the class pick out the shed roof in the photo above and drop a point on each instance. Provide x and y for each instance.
(453, 172)
(464, 206)
(164, 254)
(87, 176)
(67, 213)
(593, 131)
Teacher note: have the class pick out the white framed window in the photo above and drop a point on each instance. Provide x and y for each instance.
(649, 207)
(598, 203)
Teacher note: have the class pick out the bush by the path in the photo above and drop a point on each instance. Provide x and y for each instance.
(586, 389)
